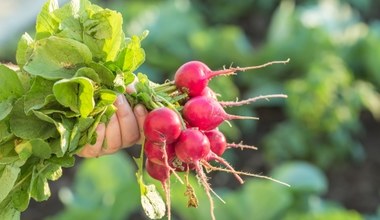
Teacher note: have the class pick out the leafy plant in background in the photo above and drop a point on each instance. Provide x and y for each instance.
(332, 78)
(326, 97)
(259, 199)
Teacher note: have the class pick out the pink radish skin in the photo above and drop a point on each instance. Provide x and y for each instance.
(157, 171)
(155, 151)
(192, 146)
(162, 125)
(193, 76)
(162, 174)
(218, 142)
(206, 113)
(209, 93)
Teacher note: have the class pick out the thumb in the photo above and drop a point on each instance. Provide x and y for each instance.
(140, 113)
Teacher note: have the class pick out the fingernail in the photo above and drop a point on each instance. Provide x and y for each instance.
(140, 110)
(120, 100)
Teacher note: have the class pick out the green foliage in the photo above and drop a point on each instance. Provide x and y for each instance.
(68, 79)
(331, 79)
(104, 188)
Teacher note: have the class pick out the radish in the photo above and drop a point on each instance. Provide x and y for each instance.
(192, 146)
(218, 142)
(210, 93)
(155, 151)
(162, 174)
(193, 76)
(157, 171)
(162, 125)
(206, 113)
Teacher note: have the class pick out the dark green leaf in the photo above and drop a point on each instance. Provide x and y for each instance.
(21, 196)
(65, 161)
(39, 189)
(28, 127)
(38, 95)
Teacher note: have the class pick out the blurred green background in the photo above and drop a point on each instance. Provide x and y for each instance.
(323, 140)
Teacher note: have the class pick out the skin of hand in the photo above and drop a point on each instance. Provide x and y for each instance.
(123, 130)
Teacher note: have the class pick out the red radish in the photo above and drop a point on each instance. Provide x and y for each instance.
(192, 77)
(162, 174)
(218, 142)
(162, 125)
(155, 151)
(206, 113)
(157, 171)
(192, 146)
(209, 93)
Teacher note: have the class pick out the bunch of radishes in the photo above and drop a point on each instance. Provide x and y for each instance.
(187, 139)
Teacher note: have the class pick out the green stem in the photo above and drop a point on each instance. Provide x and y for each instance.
(167, 89)
(171, 106)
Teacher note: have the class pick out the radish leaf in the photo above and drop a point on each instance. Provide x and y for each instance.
(76, 93)
(46, 62)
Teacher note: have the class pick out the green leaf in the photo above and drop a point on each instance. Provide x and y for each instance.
(10, 84)
(24, 49)
(103, 34)
(65, 161)
(131, 56)
(52, 171)
(47, 62)
(37, 147)
(4, 133)
(64, 129)
(7, 180)
(302, 177)
(76, 93)
(88, 73)
(39, 190)
(106, 76)
(39, 94)
(28, 126)
(8, 212)
(46, 23)
(5, 108)
(21, 196)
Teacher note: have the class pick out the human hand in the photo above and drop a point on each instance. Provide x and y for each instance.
(123, 130)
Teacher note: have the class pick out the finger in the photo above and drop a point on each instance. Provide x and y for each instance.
(112, 141)
(94, 150)
(140, 113)
(127, 122)
(131, 86)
